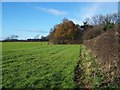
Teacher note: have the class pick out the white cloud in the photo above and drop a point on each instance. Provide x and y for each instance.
(85, 12)
(90, 11)
(52, 11)
(76, 21)
(33, 30)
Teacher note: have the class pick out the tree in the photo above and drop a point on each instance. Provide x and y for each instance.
(115, 18)
(103, 19)
(12, 37)
(101, 23)
(42, 37)
(65, 31)
(36, 37)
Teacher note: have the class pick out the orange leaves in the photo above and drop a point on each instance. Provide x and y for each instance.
(66, 30)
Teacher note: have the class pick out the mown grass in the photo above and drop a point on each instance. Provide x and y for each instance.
(38, 65)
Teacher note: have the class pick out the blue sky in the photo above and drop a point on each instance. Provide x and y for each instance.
(37, 18)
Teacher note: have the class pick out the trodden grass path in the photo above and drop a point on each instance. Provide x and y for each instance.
(38, 65)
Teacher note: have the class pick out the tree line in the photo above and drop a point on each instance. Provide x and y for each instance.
(14, 38)
(65, 32)
(69, 32)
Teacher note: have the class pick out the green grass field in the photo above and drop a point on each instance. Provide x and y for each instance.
(38, 65)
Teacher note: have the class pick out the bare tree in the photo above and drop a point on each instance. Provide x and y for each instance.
(36, 37)
(88, 20)
(115, 18)
(103, 19)
(12, 37)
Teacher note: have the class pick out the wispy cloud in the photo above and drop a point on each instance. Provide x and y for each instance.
(36, 31)
(52, 11)
(85, 12)
(90, 11)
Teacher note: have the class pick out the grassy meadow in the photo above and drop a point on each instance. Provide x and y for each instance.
(38, 65)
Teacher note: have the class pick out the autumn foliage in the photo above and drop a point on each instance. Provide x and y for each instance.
(65, 32)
